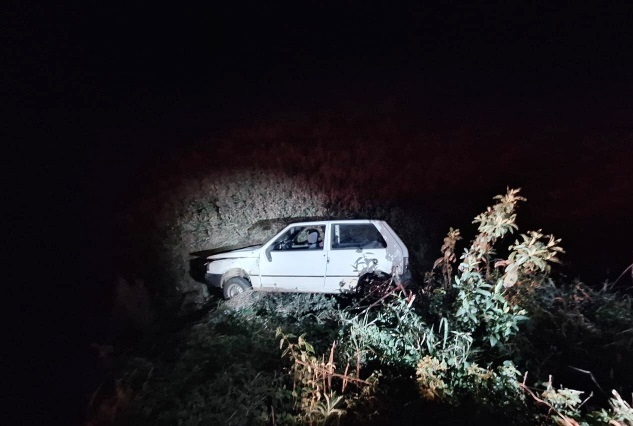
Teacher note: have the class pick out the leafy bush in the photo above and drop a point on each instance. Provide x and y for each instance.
(314, 381)
(390, 334)
(577, 332)
(512, 305)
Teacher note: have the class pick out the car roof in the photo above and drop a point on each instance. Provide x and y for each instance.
(323, 222)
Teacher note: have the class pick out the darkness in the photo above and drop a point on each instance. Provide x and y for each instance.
(95, 94)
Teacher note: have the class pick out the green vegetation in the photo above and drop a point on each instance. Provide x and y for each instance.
(484, 337)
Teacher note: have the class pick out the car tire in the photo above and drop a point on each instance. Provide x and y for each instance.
(234, 286)
(373, 286)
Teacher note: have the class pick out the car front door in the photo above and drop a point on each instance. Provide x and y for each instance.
(295, 260)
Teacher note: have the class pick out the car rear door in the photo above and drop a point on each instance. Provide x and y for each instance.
(355, 248)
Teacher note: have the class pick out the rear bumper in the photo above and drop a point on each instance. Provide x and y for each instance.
(213, 280)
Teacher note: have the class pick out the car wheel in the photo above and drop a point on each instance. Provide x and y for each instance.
(374, 286)
(234, 286)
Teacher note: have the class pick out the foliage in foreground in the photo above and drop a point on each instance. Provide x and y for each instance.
(486, 337)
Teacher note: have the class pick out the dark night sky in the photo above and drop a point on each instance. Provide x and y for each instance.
(112, 84)
(98, 92)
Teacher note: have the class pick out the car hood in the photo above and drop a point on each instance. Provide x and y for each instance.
(251, 251)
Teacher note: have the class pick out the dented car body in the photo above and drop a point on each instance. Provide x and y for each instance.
(327, 256)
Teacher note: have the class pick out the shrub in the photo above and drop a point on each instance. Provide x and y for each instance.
(514, 306)
(389, 334)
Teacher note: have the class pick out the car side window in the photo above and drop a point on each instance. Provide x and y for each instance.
(355, 236)
(307, 237)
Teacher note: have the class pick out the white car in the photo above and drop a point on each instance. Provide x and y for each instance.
(326, 256)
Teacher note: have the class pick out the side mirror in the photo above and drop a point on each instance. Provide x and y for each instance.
(268, 255)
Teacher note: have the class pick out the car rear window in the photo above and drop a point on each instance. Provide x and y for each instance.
(357, 235)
